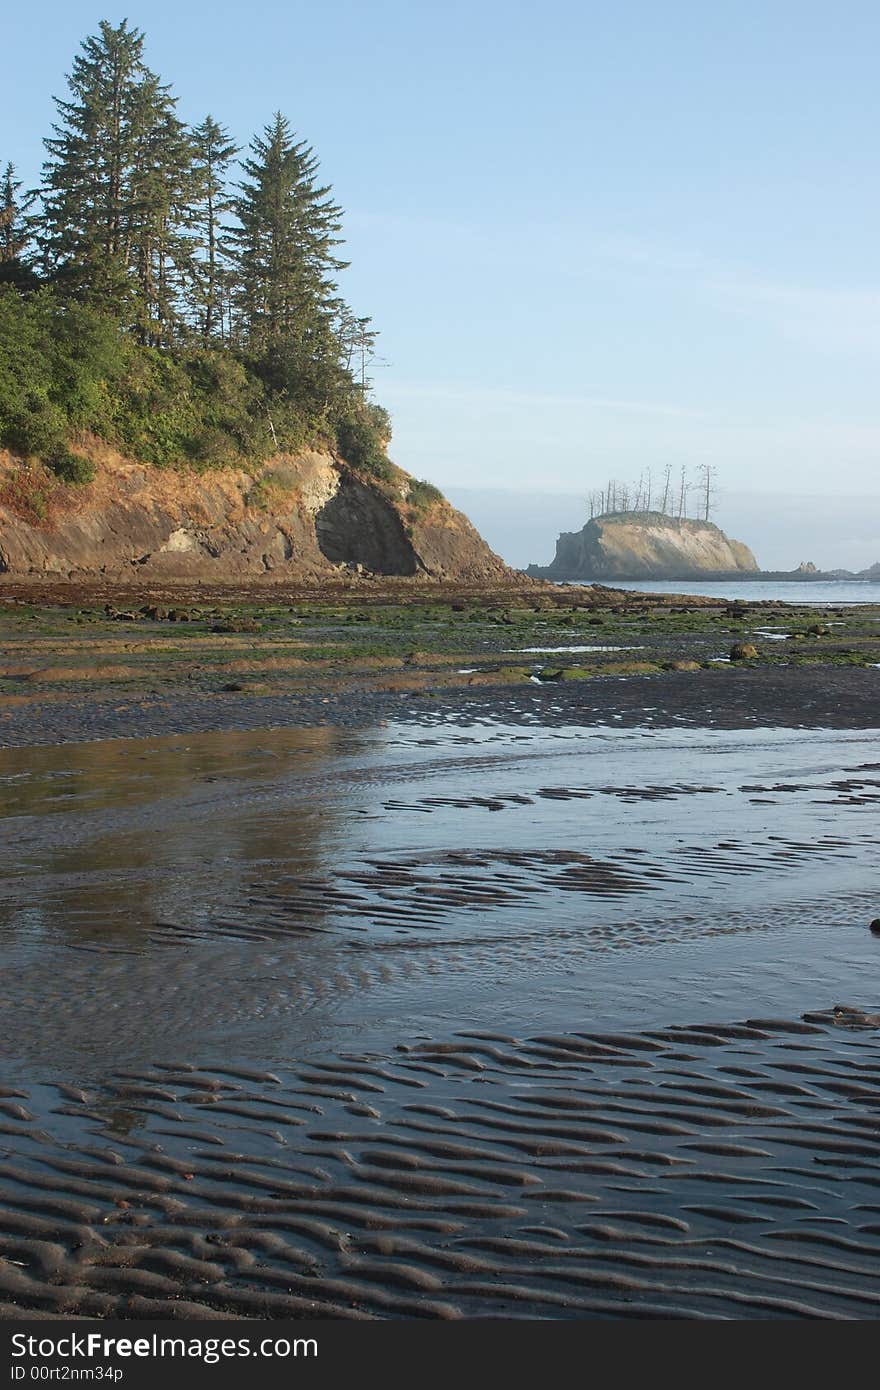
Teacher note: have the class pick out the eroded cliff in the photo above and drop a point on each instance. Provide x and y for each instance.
(645, 545)
(297, 518)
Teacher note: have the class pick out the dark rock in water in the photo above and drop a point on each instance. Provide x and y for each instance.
(743, 651)
(852, 1017)
(875, 926)
(844, 1016)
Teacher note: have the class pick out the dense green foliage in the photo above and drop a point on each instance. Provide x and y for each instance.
(67, 370)
(362, 436)
(147, 299)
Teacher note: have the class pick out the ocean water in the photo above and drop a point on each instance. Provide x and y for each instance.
(814, 594)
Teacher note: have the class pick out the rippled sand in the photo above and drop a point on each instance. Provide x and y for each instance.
(441, 1018)
(701, 1172)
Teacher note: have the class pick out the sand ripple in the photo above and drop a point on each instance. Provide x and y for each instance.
(699, 1171)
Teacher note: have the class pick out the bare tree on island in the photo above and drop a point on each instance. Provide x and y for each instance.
(634, 499)
(683, 490)
(667, 486)
(708, 487)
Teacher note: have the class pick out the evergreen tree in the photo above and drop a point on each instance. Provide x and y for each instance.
(16, 232)
(210, 280)
(163, 184)
(282, 252)
(86, 198)
(116, 185)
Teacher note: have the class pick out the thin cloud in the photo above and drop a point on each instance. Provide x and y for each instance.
(507, 397)
(821, 317)
(827, 318)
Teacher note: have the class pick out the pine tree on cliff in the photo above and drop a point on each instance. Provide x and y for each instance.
(16, 232)
(210, 284)
(117, 185)
(86, 211)
(162, 188)
(282, 248)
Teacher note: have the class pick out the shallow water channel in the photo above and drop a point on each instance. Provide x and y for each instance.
(265, 894)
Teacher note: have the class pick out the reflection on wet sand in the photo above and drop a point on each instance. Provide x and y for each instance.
(102, 840)
(296, 887)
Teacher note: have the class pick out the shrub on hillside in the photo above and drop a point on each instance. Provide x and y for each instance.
(362, 433)
(56, 362)
(423, 494)
(72, 468)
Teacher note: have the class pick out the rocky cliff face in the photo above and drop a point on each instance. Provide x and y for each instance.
(646, 545)
(295, 518)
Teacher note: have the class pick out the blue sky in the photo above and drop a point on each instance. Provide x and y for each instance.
(594, 238)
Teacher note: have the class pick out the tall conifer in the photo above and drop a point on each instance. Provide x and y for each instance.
(116, 185)
(162, 188)
(86, 211)
(285, 264)
(16, 231)
(210, 282)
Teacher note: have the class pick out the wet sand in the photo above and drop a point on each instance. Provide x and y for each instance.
(717, 1171)
(753, 697)
(513, 1002)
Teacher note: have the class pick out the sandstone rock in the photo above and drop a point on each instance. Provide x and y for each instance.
(645, 545)
(743, 651)
(293, 518)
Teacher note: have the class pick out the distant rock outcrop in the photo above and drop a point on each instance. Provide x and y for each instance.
(646, 545)
(298, 518)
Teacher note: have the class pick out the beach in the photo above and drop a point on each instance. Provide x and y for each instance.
(476, 956)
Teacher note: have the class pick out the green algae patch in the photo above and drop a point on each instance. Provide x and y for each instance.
(584, 673)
